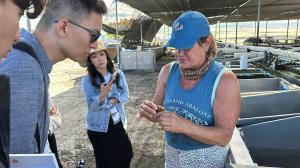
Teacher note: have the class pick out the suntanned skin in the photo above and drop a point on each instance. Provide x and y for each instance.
(10, 15)
(226, 106)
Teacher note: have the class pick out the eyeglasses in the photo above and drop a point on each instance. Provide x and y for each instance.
(95, 34)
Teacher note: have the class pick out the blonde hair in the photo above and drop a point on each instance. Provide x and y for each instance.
(212, 50)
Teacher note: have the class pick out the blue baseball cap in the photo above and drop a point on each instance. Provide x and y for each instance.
(187, 29)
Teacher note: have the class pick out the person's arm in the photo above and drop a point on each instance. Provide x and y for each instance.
(159, 95)
(148, 109)
(94, 99)
(226, 110)
(123, 98)
(26, 99)
(55, 117)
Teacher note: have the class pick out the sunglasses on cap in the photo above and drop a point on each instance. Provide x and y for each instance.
(94, 34)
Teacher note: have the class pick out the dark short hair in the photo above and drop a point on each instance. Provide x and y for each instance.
(36, 6)
(70, 9)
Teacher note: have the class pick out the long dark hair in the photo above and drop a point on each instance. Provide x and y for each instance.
(94, 73)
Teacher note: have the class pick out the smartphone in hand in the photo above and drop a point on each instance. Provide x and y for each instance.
(113, 77)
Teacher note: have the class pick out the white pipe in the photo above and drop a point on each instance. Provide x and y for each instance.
(117, 34)
(231, 50)
(256, 59)
(258, 20)
(295, 49)
(249, 54)
(282, 53)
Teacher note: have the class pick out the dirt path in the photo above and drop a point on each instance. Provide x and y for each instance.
(73, 144)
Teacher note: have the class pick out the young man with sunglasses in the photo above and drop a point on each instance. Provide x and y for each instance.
(67, 29)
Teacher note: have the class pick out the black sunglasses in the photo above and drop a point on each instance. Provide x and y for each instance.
(95, 34)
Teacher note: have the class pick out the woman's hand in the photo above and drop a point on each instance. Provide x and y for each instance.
(53, 110)
(105, 89)
(114, 100)
(170, 121)
(148, 110)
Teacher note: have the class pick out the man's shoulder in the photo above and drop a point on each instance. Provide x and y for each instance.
(19, 61)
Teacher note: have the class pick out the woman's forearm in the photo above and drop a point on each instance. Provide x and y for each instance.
(210, 135)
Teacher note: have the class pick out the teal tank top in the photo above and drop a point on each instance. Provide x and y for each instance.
(193, 104)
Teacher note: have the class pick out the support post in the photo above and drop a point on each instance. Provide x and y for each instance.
(258, 20)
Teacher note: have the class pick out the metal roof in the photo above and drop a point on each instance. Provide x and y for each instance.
(166, 11)
(132, 34)
(270, 10)
(150, 27)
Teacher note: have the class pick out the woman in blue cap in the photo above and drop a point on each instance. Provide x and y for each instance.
(197, 101)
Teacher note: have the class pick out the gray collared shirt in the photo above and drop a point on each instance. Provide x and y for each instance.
(29, 104)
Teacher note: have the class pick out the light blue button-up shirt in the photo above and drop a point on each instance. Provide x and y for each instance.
(28, 97)
(97, 116)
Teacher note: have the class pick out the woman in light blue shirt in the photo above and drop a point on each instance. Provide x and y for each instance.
(105, 95)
